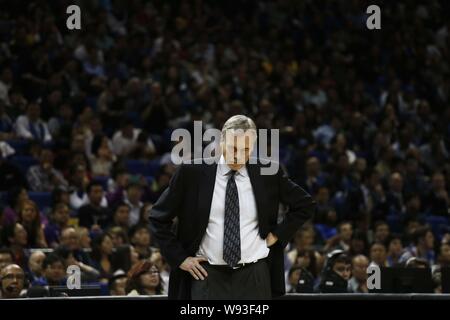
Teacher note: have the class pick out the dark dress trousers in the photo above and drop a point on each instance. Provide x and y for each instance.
(188, 198)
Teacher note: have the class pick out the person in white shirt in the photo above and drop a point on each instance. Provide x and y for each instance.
(31, 126)
(125, 140)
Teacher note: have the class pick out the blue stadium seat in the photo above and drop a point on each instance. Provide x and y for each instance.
(438, 224)
(140, 167)
(24, 162)
(102, 180)
(395, 223)
(42, 199)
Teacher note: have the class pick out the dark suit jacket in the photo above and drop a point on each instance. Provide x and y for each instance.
(189, 198)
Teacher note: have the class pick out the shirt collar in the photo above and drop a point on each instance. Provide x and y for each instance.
(224, 168)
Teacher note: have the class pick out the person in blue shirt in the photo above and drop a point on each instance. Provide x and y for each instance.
(54, 273)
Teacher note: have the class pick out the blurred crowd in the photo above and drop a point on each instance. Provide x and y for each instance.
(86, 118)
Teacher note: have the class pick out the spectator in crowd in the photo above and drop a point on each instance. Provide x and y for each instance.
(126, 139)
(31, 126)
(145, 212)
(16, 238)
(6, 257)
(422, 246)
(12, 280)
(336, 273)
(117, 284)
(88, 273)
(93, 215)
(395, 250)
(35, 266)
(101, 256)
(143, 279)
(141, 240)
(381, 232)
(378, 255)
(84, 238)
(342, 240)
(394, 198)
(44, 177)
(164, 269)
(71, 240)
(30, 219)
(119, 236)
(59, 220)
(359, 244)
(132, 198)
(358, 281)
(15, 196)
(54, 272)
(437, 201)
(10, 174)
(102, 159)
(444, 255)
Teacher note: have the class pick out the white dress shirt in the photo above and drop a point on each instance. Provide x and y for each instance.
(253, 247)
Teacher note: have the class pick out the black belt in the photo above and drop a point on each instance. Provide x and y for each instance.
(227, 268)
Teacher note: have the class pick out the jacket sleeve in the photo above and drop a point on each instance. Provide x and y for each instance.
(301, 205)
(161, 219)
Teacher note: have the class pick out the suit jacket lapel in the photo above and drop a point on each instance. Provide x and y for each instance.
(205, 194)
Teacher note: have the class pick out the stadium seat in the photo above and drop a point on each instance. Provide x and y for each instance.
(24, 162)
(394, 222)
(140, 167)
(42, 199)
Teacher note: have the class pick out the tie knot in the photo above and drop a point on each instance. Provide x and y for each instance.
(231, 173)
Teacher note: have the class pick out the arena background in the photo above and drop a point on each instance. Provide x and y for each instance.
(86, 117)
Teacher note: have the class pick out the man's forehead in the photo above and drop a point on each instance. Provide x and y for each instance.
(239, 138)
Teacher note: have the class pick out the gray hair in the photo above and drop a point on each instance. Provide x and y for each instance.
(238, 122)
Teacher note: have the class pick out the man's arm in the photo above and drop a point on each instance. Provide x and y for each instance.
(161, 220)
(301, 208)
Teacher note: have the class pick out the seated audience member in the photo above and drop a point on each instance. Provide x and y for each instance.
(10, 174)
(117, 284)
(84, 238)
(88, 273)
(444, 255)
(35, 266)
(359, 244)
(30, 126)
(93, 215)
(378, 254)
(422, 246)
(54, 272)
(6, 257)
(163, 267)
(103, 158)
(342, 240)
(102, 256)
(143, 279)
(15, 198)
(358, 281)
(336, 273)
(118, 236)
(395, 250)
(70, 239)
(59, 220)
(43, 177)
(141, 240)
(132, 198)
(381, 231)
(12, 280)
(124, 257)
(121, 216)
(30, 219)
(15, 237)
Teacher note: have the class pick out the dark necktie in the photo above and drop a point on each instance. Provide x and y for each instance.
(232, 230)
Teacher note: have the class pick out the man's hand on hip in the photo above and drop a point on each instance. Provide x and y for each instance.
(192, 265)
(271, 239)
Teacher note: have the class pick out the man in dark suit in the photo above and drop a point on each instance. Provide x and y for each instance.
(228, 243)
